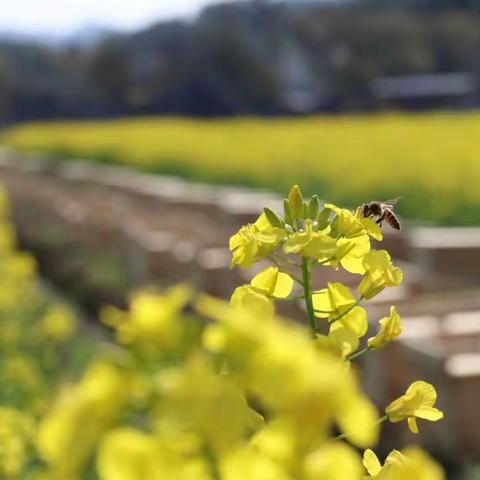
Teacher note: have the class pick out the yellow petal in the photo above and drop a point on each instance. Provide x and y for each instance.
(423, 390)
(412, 424)
(258, 304)
(359, 421)
(284, 285)
(321, 303)
(429, 413)
(372, 228)
(266, 280)
(357, 321)
(371, 462)
(324, 463)
(343, 341)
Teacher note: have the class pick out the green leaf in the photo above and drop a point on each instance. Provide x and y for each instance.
(273, 218)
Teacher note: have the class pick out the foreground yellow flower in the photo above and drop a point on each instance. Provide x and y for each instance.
(390, 329)
(294, 380)
(380, 273)
(69, 433)
(332, 461)
(16, 431)
(129, 454)
(153, 323)
(412, 463)
(257, 297)
(418, 402)
(254, 241)
(196, 401)
(341, 340)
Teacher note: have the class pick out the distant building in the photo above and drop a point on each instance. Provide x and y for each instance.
(424, 91)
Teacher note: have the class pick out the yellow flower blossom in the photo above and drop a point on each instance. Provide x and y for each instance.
(332, 461)
(310, 243)
(58, 324)
(273, 282)
(418, 402)
(372, 228)
(153, 323)
(412, 463)
(351, 252)
(380, 273)
(337, 302)
(341, 340)
(129, 454)
(390, 329)
(16, 432)
(191, 397)
(246, 463)
(254, 241)
(70, 431)
(256, 302)
(257, 297)
(275, 361)
(345, 222)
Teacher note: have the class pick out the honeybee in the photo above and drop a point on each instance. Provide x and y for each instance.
(381, 211)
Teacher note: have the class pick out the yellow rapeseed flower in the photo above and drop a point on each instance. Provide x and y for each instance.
(153, 323)
(16, 432)
(390, 329)
(332, 461)
(309, 243)
(418, 402)
(412, 463)
(341, 340)
(68, 434)
(254, 241)
(380, 273)
(257, 297)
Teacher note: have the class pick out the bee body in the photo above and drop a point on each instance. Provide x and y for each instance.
(381, 212)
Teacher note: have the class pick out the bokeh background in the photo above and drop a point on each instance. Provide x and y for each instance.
(136, 137)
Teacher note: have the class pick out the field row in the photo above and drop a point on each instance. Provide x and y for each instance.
(430, 160)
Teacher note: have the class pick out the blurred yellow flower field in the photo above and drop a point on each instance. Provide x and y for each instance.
(431, 160)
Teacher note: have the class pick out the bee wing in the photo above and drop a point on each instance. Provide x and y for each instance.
(391, 203)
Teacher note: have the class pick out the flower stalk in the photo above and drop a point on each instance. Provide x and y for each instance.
(307, 288)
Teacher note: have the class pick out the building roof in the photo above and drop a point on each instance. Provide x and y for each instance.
(424, 85)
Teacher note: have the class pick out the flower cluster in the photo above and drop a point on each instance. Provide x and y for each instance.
(36, 333)
(199, 388)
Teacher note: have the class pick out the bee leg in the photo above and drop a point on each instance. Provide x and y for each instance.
(380, 220)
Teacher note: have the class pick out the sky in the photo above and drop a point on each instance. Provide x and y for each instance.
(67, 16)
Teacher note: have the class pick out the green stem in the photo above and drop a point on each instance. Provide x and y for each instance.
(358, 354)
(307, 288)
(345, 435)
(212, 461)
